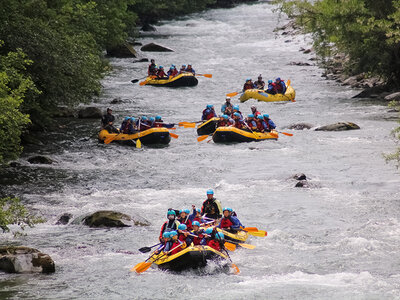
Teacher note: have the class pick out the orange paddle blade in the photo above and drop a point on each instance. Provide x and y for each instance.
(202, 138)
(288, 82)
(141, 267)
(247, 246)
(235, 268)
(286, 133)
(230, 246)
(207, 75)
(274, 135)
(175, 136)
(232, 94)
(250, 229)
(188, 125)
(143, 82)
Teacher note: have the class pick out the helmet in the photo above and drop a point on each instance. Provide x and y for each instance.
(209, 106)
(133, 119)
(184, 66)
(219, 236)
(225, 117)
(269, 81)
(279, 79)
(172, 233)
(186, 211)
(126, 118)
(196, 223)
(171, 68)
(152, 119)
(236, 114)
(260, 117)
(166, 235)
(266, 116)
(209, 230)
(250, 116)
(236, 107)
(210, 192)
(181, 211)
(259, 76)
(158, 117)
(161, 67)
(144, 118)
(248, 79)
(198, 209)
(228, 98)
(227, 208)
(171, 212)
(189, 65)
(182, 227)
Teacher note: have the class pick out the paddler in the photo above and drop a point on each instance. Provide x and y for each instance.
(261, 125)
(236, 110)
(208, 113)
(189, 69)
(248, 85)
(227, 107)
(152, 70)
(270, 124)
(161, 74)
(251, 122)
(172, 71)
(229, 222)
(107, 121)
(259, 84)
(196, 215)
(184, 218)
(225, 121)
(160, 123)
(175, 243)
(127, 127)
(239, 123)
(182, 69)
(271, 87)
(170, 225)
(183, 234)
(280, 86)
(254, 111)
(199, 233)
(211, 207)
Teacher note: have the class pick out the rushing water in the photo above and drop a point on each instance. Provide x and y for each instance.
(337, 240)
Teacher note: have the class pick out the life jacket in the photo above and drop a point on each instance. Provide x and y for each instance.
(178, 249)
(208, 114)
(161, 74)
(152, 70)
(280, 87)
(191, 70)
(212, 208)
(257, 113)
(252, 124)
(214, 244)
(248, 86)
(268, 126)
(239, 124)
(168, 226)
(222, 123)
(259, 84)
(128, 128)
(197, 239)
(158, 124)
(187, 222)
(260, 125)
(225, 223)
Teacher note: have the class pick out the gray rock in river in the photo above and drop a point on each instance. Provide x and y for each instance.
(300, 126)
(302, 184)
(341, 126)
(394, 96)
(122, 51)
(64, 219)
(155, 48)
(64, 112)
(21, 259)
(40, 159)
(106, 218)
(90, 112)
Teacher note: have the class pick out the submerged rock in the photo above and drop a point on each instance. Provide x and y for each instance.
(294, 63)
(107, 218)
(90, 112)
(300, 176)
(302, 184)
(148, 27)
(140, 60)
(300, 126)
(155, 48)
(64, 219)
(341, 126)
(40, 159)
(21, 259)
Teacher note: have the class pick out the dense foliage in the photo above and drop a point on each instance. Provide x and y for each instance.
(367, 31)
(13, 212)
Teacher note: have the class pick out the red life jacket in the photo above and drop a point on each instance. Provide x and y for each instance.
(260, 126)
(248, 86)
(198, 219)
(197, 240)
(161, 74)
(182, 237)
(157, 124)
(214, 244)
(278, 87)
(238, 124)
(222, 123)
(187, 222)
(164, 227)
(225, 223)
(178, 249)
(174, 72)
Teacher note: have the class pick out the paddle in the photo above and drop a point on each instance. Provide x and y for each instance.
(288, 82)
(233, 94)
(111, 138)
(184, 122)
(175, 136)
(247, 246)
(148, 249)
(251, 130)
(188, 125)
(143, 83)
(205, 75)
(286, 133)
(136, 80)
(234, 267)
(230, 246)
(202, 137)
(260, 233)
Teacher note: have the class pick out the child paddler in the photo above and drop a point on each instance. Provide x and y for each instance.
(229, 222)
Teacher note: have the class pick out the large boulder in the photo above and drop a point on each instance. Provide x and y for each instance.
(122, 51)
(107, 218)
(373, 92)
(394, 96)
(64, 219)
(21, 259)
(90, 112)
(341, 126)
(40, 159)
(300, 126)
(64, 112)
(155, 48)
(148, 27)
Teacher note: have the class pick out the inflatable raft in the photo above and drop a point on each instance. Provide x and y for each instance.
(192, 257)
(239, 237)
(185, 79)
(207, 127)
(158, 135)
(261, 95)
(233, 134)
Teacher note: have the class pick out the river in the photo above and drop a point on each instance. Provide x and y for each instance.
(338, 239)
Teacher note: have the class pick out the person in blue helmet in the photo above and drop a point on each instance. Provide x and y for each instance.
(172, 71)
(143, 123)
(211, 208)
(189, 69)
(270, 124)
(161, 73)
(182, 69)
(170, 225)
(165, 242)
(208, 113)
(195, 215)
(227, 107)
(229, 222)
(271, 88)
(160, 123)
(197, 234)
(251, 122)
(237, 110)
(280, 86)
(184, 234)
(224, 121)
(177, 245)
(239, 123)
(127, 127)
(248, 85)
(184, 218)
(261, 125)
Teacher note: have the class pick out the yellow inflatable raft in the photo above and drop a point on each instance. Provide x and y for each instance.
(233, 134)
(238, 237)
(261, 95)
(184, 79)
(207, 127)
(158, 135)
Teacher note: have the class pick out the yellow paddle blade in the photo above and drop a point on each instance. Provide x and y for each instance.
(235, 268)
(230, 246)
(247, 246)
(141, 267)
(175, 136)
(260, 233)
(232, 94)
(143, 82)
(202, 138)
(138, 144)
(288, 82)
